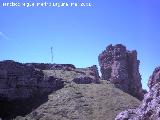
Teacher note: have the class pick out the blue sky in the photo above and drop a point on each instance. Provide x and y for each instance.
(79, 34)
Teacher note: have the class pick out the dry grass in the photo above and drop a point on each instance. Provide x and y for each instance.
(84, 102)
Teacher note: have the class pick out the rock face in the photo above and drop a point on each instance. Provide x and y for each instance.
(121, 67)
(18, 81)
(150, 107)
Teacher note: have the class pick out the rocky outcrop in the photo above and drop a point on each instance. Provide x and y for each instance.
(121, 67)
(19, 81)
(150, 107)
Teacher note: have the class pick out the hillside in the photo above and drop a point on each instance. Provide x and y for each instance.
(84, 102)
(58, 92)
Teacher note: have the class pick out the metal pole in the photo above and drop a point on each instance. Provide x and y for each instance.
(51, 54)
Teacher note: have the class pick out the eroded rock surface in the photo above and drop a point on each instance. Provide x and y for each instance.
(23, 88)
(154, 78)
(121, 67)
(150, 106)
(18, 81)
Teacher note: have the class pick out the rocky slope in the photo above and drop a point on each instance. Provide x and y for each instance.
(83, 102)
(19, 81)
(58, 92)
(149, 109)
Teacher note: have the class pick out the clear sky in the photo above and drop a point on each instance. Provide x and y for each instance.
(79, 34)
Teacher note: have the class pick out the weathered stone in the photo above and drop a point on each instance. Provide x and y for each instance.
(154, 78)
(150, 106)
(121, 67)
(19, 81)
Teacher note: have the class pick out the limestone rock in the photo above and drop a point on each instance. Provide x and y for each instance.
(121, 67)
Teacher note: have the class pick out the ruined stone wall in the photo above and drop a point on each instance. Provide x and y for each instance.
(121, 67)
